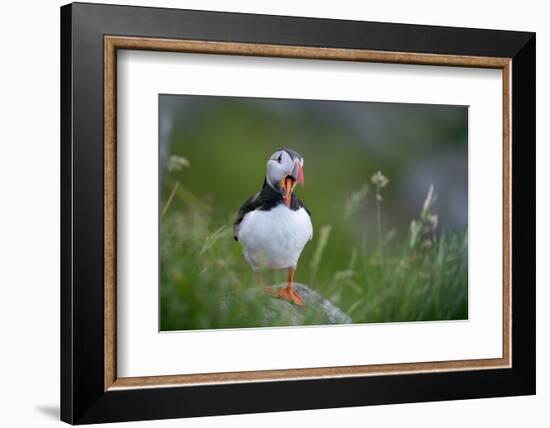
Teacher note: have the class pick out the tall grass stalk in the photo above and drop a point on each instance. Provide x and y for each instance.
(169, 201)
(380, 181)
(322, 241)
(356, 199)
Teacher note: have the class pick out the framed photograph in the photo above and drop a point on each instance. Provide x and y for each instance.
(265, 213)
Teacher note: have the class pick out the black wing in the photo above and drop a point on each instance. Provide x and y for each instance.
(298, 204)
(250, 205)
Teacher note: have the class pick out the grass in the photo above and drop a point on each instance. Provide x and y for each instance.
(421, 277)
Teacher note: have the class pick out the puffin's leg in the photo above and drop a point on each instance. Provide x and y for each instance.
(265, 289)
(288, 293)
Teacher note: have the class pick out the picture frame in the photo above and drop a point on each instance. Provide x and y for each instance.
(91, 390)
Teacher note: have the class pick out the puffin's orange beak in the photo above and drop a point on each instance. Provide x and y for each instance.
(300, 175)
(298, 172)
(288, 183)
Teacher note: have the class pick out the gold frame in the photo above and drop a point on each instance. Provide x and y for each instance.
(113, 43)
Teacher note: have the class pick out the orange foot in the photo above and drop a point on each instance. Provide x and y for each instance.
(288, 293)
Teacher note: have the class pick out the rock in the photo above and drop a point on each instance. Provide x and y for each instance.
(277, 312)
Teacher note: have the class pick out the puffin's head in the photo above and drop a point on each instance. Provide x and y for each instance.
(284, 170)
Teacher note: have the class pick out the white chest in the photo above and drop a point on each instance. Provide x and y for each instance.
(275, 239)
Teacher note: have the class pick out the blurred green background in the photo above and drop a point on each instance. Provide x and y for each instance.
(382, 252)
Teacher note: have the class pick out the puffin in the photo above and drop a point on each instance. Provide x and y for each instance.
(273, 226)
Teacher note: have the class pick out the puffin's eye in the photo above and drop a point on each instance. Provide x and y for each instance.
(280, 158)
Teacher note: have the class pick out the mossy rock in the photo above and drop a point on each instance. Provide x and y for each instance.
(278, 312)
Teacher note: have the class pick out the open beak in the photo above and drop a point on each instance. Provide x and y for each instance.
(288, 183)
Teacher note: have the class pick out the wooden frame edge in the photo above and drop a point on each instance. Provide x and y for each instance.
(299, 374)
(109, 198)
(507, 213)
(301, 52)
(112, 43)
